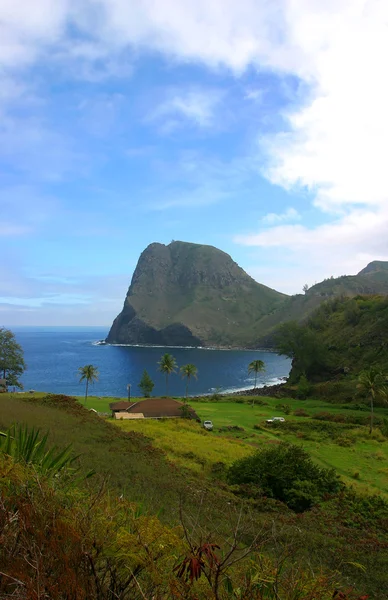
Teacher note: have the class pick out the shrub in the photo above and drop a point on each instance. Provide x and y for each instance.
(299, 412)
(146, 384)
(344, 441)
(303, 388)
(287, 473)
(286, 408)
(384, 427)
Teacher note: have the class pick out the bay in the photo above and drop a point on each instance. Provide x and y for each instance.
(54, 354)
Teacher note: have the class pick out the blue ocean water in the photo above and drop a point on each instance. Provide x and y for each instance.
(54, 354)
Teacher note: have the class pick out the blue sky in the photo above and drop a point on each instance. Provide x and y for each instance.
(256, 127)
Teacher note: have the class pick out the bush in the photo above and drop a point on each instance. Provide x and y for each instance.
(299, 412)
(146, 384)
(286, 408)
(303, 388)
(286, 472)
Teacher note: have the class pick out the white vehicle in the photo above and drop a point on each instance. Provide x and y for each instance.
(276, 420)
(208, 425)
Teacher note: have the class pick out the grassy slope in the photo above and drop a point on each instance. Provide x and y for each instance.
(190, 446)
(135, 467)
(128, 461)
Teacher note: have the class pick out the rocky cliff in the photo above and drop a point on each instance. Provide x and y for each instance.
(191, 295)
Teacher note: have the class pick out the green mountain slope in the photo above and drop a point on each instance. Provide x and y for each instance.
(192, 294)
(354, 332)
(372, 280)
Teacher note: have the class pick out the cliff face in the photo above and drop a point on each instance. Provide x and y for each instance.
(191, 295)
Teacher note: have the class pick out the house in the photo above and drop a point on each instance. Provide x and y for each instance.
(150, 408)
(119, 407)
(3, 385)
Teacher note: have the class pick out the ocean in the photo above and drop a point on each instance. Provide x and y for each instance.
(54, 354)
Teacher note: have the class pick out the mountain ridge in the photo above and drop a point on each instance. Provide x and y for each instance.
(191, 294)
(186, 294)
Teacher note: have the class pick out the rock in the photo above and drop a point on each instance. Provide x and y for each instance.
(191, 295)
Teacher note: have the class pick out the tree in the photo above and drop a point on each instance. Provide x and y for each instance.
(304, 347)
(12, 363)
(146, 384)
(188, 371)
(89, 373)
(167, 366)
(372, 382)
(286, 473)
(305, 288)
(256, 366)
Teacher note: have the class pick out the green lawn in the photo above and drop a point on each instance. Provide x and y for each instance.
(363, 463)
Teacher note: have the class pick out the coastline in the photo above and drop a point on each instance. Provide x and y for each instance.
(223, 348)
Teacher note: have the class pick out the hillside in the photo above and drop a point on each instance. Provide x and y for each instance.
(354, 332)
(372, 280)
(194, 295)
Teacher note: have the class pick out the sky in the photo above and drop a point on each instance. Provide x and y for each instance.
(259, 127)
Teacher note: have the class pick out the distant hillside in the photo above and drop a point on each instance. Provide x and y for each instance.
(192, 295)
(372, 280)
(354, 331)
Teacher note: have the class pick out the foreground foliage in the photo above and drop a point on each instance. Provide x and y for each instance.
(346, 536)
(78, 544)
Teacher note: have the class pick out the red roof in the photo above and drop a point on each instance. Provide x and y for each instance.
(159, 407)
(122, 405)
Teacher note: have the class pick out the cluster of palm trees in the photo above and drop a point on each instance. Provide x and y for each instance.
(168, 366)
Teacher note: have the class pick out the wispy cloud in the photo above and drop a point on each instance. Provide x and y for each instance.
(197, 106)
(273, 218)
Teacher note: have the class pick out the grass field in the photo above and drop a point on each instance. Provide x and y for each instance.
(362, 461)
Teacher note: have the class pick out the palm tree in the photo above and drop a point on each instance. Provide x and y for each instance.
(167, 365)
(89, 373)
(188, 371)
(372, 382)
(256, 366)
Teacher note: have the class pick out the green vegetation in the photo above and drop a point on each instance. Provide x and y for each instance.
(286, 473)
(304, 347)
(353, 331)
(146, 384)
(89, 374)
(29, 447)
(188, 371)
(256, 366)
(86, 545)
(167, 366)
(373, 383)
(152, 464)
(12, 363)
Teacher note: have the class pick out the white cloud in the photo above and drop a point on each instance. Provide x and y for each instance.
(341, 247)
(335, 138)
(196, 105)
(288, 215)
